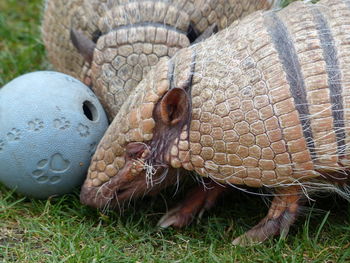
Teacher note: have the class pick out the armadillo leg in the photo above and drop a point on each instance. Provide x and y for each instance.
(200, 199)
(281, 216)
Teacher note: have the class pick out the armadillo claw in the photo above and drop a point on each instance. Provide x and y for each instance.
(200, 199)
(243, 241)
(257, 234)
(176, 217)
(281, 216)
(266, 229)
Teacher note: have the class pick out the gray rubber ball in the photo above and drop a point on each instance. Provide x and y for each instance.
(50, 125)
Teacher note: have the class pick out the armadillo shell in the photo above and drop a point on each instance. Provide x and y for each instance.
(134, 14)
(117, 71)
(84, 15)
(59, 17)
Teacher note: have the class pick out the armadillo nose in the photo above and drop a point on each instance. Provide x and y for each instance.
(88, 196)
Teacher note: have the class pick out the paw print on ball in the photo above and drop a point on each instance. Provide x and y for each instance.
(61, 123)
(14, 135)
(2, 145)
(83, 130)
(35, 125)
(50, 171)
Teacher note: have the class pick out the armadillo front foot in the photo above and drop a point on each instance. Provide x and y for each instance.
(200, 199)
(281, 216)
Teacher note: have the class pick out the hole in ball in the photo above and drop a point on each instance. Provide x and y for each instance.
(90, 111)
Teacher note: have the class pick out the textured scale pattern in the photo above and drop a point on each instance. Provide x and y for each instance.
(263, 103)
(130, 36)
(249, 114)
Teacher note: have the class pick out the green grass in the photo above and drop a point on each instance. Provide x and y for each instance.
(21, 49)
(62, 230)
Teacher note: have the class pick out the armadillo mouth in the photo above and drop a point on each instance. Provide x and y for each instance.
(139, 176)
(121, 188)
(129, 182)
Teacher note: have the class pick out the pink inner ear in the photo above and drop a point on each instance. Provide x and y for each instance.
(174, 106)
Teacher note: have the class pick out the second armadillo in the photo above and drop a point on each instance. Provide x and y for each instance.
(120, 40)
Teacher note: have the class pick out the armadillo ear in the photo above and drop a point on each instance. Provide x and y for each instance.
(174, 106)
(83, 44)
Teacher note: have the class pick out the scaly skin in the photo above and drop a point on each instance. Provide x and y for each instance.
(131, 37)
(262, 103)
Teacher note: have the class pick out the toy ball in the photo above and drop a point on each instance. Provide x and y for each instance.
(50, 125)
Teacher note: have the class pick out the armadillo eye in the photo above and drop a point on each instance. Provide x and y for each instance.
(134, 150)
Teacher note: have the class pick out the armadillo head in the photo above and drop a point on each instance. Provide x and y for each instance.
(142, 144)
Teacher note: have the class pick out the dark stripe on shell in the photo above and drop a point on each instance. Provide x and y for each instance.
(289, 59)
(334, 77)
(188, 87)
(188, 84)
(171, 70)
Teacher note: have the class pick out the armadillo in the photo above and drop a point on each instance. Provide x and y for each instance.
(112, 44)
(263, 103)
